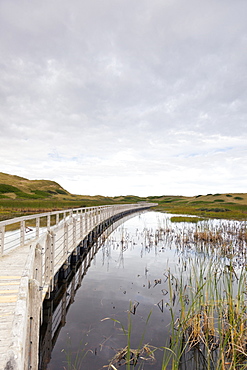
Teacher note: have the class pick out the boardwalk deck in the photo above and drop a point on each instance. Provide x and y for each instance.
(11, 269)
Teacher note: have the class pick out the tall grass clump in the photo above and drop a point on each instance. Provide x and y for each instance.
(208, 318)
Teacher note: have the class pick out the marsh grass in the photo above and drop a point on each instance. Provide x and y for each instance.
(128, 356)
(207, 299)
(185, 219)
(74, 359)
(208, 318)
(207, 207)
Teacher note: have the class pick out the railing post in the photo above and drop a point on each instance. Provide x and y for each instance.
(37, 226)
(100, 213)
(47, 256)
(90, 219)
(48, 222)
(57, 218)
(74, 231)
(81, 226)
(22, 231)
(2, 233)
(86, 221)
(95, 216)
(65, 242)
(52, 266)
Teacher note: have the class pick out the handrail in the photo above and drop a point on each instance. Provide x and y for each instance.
(11, 240)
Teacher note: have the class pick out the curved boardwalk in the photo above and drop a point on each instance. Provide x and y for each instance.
(34, 251)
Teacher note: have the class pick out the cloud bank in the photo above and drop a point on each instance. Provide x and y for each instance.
(125, 97)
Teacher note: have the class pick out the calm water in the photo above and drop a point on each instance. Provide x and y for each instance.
(128, 272)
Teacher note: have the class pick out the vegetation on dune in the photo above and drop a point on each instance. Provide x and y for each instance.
(228, 206)
(20, 196)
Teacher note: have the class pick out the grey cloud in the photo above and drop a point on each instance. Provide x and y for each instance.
(149, 81)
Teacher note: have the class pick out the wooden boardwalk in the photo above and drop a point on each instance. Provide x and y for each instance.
(28, 267)
(11, 269)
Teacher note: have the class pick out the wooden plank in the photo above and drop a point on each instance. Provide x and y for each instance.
(8, 299)
(8, 291)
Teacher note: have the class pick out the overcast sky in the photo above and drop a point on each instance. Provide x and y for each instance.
(117, 97)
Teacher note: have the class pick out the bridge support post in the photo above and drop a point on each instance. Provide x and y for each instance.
(47, 340)
(64, 307)
(72, 297)
(34, 322)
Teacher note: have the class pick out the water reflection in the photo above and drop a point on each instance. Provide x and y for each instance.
(149, 265)
(55, 307)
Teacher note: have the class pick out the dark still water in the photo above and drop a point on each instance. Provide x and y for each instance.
(124, 287)
(126, 273)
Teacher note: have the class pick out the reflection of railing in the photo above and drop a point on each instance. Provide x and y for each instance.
(54, 239)
(56, 307)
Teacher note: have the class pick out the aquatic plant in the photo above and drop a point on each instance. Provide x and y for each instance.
(208, 319)
(74, 359)
(128, 356)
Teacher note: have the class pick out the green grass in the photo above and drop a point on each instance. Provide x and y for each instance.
(5, 188)
(208, 206)
(20, 196)
(185, 219)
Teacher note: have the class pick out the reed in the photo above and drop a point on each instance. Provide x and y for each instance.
(128, 356)
(74, 360)
(208, 319)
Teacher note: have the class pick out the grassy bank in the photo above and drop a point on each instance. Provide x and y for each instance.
(19, 196)
(10, 208)
(228, 206)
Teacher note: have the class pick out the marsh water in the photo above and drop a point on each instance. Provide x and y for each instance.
(121, 295)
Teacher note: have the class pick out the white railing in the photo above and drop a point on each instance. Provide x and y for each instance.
(49, 239)
(21, 230)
